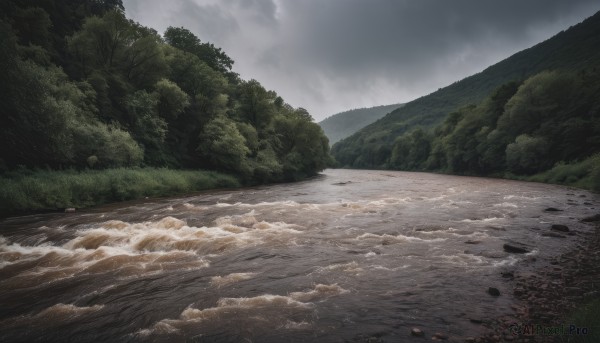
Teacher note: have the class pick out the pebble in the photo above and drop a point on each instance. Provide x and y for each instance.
(439, 335)
(544, 296)
(493, 291)
(417, 332)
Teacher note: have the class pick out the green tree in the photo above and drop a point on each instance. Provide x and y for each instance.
(185, 40)
(171, 99)
(527, 155)
(222, 145)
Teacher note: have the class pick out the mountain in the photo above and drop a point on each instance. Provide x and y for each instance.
(343, 124)
(575, 49)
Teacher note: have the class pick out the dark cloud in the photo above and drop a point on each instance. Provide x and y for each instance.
(333, 55)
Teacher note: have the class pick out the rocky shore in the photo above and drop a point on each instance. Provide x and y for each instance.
(548, 296)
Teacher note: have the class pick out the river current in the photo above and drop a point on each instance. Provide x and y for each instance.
(345, 256)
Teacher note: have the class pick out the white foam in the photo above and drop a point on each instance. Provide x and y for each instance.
(136, 249)
(506, 204)
(220, 281)
(464, 259)
(483, 220)
(257, 306)
(391, 239)
(350, 267)
(509, 261)
(521, 197)
(319, 292)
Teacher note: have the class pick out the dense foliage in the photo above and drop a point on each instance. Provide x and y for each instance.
(574, 50)
(39, 190)
(84, 87)
(344, 124)
(542, 121)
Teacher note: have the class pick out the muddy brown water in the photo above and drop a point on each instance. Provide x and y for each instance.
(345, 256)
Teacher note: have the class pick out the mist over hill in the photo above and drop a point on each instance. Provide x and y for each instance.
(344, 124)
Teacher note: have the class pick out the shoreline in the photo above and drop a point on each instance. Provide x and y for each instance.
(39, 192)
(551, 300)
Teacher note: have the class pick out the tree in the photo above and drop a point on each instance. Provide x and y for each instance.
(185, 40)
(527, 155)
(171, 99)
(256, 105)
(222, 145)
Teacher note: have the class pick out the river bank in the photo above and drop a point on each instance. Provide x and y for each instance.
(558, 303)
(44, 191)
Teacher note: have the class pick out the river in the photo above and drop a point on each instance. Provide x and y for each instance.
(346, 256)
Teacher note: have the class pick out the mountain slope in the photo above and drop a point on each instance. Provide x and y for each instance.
(344, 124)
(570, 50)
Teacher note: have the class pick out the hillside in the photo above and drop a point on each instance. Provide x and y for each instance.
(344, 124)
(570, 50)
(88, 91)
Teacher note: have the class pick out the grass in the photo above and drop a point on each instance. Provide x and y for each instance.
(583, 174)
(587, 316)
(32, 191)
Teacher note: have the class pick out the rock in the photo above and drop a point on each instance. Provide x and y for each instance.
(508, 274)
(70, 210)
(493, 291)
(472, 242)
(470, 339)
(476, 321)
(341, 183)
(591, 219)
(439, 335)
(417, 332)
(553, 234)
(552, 209)
(515, 249)
(559, 227)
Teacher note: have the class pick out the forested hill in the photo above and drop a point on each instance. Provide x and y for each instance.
(344, 124)
(83, 87)
(575, 49)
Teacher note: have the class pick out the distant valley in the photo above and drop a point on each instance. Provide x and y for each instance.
(344, 124)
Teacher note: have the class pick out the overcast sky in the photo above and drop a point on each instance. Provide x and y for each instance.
(329, 56)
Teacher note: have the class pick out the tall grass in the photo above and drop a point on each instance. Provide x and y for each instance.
(52, 190)
(587, 315)
(583, 174)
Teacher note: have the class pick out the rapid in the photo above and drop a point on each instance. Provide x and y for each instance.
(345, 256)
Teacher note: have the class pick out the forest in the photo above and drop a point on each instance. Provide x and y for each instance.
(544, 129)
(88, 92)
(540, 122)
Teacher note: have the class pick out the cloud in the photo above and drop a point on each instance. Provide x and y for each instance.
(330, 56)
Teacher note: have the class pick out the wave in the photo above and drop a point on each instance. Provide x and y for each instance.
(220, 281)
(59, 313)
(254, 308)
(387, 239)
(135, 249)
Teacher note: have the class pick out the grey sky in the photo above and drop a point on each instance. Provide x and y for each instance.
(330, 56)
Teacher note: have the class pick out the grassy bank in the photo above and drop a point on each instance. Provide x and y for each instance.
(584, 174)
(30, 191)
